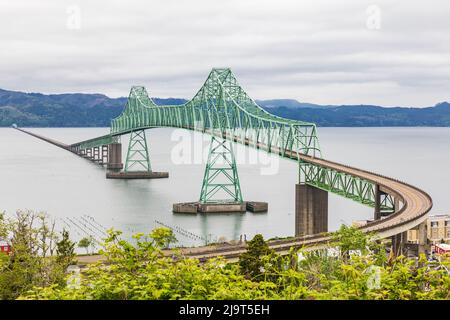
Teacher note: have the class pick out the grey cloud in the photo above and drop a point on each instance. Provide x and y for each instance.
(316, 51)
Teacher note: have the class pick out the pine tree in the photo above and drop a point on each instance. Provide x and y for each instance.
(250, 262)
(65, 250)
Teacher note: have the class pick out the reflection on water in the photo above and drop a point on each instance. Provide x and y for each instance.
(37, 175)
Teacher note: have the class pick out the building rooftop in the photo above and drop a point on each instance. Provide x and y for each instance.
(439, 216)
(443, 246)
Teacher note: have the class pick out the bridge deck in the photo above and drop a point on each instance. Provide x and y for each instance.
(54, 142)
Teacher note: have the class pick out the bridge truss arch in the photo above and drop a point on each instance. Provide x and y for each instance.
(221, 108)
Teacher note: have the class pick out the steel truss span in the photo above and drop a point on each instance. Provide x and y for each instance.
(221, 108)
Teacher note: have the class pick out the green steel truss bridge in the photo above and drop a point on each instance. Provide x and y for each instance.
(223, 110)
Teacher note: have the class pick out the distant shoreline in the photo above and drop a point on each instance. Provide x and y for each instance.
(96, 110)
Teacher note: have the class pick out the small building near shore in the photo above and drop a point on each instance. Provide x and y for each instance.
(441, 248)
(5, 247)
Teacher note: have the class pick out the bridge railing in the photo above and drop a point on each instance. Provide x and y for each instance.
(95, 142)
(347, 185)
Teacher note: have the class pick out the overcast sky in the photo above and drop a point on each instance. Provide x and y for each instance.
(329, 52)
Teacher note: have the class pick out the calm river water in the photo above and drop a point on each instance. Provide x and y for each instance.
(39, 176)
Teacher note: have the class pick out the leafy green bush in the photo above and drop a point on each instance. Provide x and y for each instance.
(144, 271)
(37, 257)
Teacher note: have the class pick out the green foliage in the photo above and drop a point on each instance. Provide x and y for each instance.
(86, 243)
(65, 250)
(252, 262)
(3, 226)
(143, 270)
(350, 238)
(31, 262)
(163, 237)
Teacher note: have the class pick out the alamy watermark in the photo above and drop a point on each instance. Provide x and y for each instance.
(374, 279)
(194, 149)
(74, 278)
(73, 21)
(373, 21)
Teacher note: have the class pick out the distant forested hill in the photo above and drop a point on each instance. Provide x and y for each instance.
(62, 110)
(369, 116)
(95, 110)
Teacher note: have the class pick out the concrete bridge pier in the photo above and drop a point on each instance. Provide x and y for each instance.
(115, 166)
(311, 210)
(398, 243)
(377, 209)
(422, 237)
(114, 163)
(96, 154)
(104, 154)
(89, 154)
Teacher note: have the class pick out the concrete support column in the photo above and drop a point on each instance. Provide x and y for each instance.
(115, 157)
(311, 210)
(398, 242)
(422, 237)
(104, 154)
(96, 155)
(377, 209)
(396, 204)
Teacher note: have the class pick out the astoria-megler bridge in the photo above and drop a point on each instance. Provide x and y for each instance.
(223, 110)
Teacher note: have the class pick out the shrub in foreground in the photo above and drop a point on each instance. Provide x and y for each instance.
(143, 270)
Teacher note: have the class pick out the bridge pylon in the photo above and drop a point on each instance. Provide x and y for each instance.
(221, 180)
(138, 158)
(137, 163)
(221, 188)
